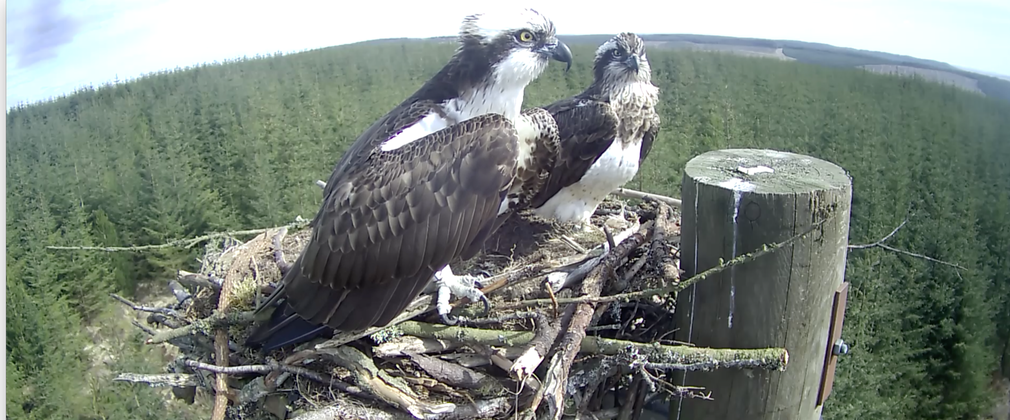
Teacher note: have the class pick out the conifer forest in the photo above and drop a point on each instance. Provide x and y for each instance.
(238, 145)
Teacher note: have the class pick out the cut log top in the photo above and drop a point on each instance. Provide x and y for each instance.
(763, 171)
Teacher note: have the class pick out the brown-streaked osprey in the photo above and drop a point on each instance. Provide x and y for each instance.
(606, 132)
(424, 186)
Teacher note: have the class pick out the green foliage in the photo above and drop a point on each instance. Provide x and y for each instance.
(238, 145)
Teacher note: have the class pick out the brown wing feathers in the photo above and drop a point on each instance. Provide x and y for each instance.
(586, 129)
(383, 231)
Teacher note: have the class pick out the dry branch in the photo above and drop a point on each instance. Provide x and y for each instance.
(547, 331)
(164, 311)
(880, 244)
(628, 193)
(561, 363)
(457, 375)
(164, 379)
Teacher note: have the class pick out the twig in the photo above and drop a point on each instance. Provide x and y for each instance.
(185, 243)
(676, 287)
(164, 311)
(927, 258)
(882, 240)
(277, 367)
(628, 193)
(880, 244)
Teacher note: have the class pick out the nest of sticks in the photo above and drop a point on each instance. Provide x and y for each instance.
(581, 322)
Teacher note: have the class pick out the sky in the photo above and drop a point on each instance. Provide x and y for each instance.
(55, 46)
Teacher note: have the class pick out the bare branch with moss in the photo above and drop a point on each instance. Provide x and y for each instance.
(770, 358)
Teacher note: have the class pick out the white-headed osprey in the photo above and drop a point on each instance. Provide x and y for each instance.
(425, 185)
(606, 132)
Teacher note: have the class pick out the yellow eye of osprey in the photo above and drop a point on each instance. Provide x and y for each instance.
(525, 36)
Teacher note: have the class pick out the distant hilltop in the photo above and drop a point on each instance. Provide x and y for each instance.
(984, 83)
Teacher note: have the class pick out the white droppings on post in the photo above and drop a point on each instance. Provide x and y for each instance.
(738, 186)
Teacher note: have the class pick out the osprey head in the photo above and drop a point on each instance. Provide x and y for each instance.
(517, 43)
(622, 58)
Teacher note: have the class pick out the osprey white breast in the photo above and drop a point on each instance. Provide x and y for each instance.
(577, 202)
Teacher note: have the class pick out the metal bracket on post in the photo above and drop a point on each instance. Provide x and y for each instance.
(835, 345)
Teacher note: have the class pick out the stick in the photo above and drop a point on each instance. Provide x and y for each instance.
(185, 243)
(561, 363)
(278, 244)
(221, 352)
(546, 332)
(480, 409)
(880, 244)
(456, 375)
(163, 379)
(628, 193)
(164, 311)
(278, 367)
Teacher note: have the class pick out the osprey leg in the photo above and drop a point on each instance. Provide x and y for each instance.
(463, 286)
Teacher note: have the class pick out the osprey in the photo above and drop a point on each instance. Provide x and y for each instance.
(606, 132)
(424, 186)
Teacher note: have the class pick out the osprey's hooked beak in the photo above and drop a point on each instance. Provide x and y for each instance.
(632, 62)
(558, 51)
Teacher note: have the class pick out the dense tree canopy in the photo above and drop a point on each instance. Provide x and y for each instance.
(238, 145)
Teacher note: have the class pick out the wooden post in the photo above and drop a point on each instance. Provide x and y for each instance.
(735, 201)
